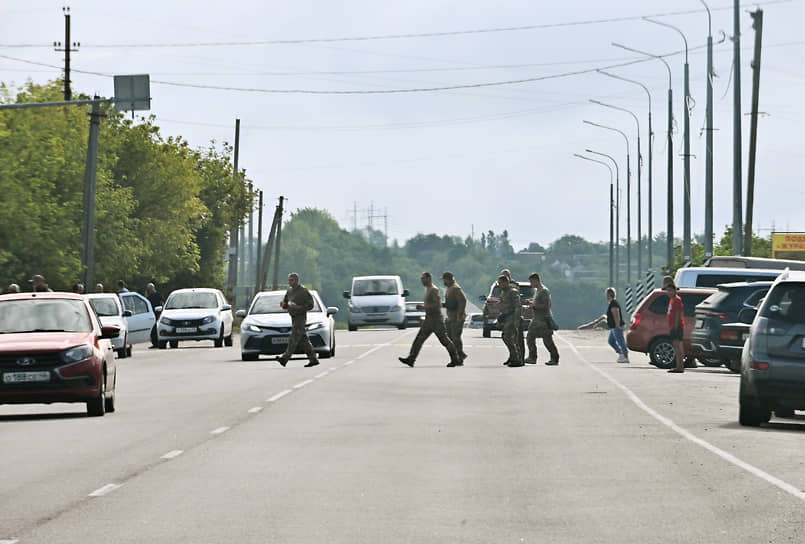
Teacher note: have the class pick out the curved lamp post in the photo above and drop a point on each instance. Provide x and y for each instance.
(611, 206)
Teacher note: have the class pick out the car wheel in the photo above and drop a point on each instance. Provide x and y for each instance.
(128, 350)
(734, 365)
(487, 333)
(707, 361)
(352, 328)
(97, 406)
(174, 344)
(249, 356)
(228, 340)
(662, 353)
(219, 342)
(122, 353)
(162, 344)
(752, 414)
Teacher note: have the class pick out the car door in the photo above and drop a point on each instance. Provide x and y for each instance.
(142, 317)
(226, 315)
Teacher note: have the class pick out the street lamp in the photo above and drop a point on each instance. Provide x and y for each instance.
(686, 192)
(670, 145)
(650, 167)
(708, 175)
(628, 194)
(617, 211)
(629, 191)
(611, 210)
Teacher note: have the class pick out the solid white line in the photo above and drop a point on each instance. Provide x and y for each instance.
(172, 454)
(255, 409)
(9, 541)
(279, 395)
(321, 374)
(302, 384)
(219, 430)
(788, 488)
(349, 362)
(101, 491)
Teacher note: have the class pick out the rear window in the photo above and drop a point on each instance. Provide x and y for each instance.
(755, 298)
(786, 302)
(716, 298)
(104, 307)
(689, 301)
(712, 280)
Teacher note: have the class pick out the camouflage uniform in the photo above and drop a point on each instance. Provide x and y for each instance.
(303, 303)
(510, 310)
(541, 326)
(433, 323)
(456, 303)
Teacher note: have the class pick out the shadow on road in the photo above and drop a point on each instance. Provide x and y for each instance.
(34, 417)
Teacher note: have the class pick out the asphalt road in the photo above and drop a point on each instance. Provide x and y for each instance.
(205, 448)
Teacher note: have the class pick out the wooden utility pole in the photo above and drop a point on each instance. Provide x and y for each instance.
(67, 48)
(757, 24)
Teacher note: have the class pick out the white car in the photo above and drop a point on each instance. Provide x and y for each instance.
(142, 319)
(475, 321)
(266, 328)
(111, 313)
(195, 314)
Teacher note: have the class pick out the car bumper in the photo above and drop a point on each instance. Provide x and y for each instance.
(386, 318)
(209, 331)
(79, 388)
(275, 344)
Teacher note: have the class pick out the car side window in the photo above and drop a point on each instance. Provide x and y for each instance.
(140, 306)
(689, 302)
(754, 298)
(659, 305)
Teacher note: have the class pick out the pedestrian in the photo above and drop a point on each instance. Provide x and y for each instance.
(616, 326)
(510, 311)
(121, 287)
(542, 324)
(99, 288)
(156, 300)
(432, 324)
(38, 284)
(518, 331)
(78, 288)
(456, 303)
(13, 288)
(298, 302)
(676, 325)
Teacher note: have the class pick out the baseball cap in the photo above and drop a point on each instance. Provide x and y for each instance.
(36, 277)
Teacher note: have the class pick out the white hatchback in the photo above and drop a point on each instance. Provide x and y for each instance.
(195, 314)
(111, 313)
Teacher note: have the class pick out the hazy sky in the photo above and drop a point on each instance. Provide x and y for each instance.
(494, 157)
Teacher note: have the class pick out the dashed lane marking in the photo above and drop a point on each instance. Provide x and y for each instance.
(302, 384)
(219, 430)
(101, 491)
(279, 395)
(172, 454)
(349, 362)
(255, 409)
(321, 374)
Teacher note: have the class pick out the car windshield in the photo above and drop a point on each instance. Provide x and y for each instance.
(44, 315)
(191, 299)
(374, 287)
(105, 306)
(269, 303)
(786, 302)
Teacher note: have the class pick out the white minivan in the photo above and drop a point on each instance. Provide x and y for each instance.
(705, 276)
(376, 300)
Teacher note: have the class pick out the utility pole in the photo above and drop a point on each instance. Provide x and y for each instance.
(708, 176)
(686, 245)
(68, 48)
(259, 269)
(736, 134)
(278, 240)
(90, 186)
(251, 236)
(757, 24)
(232, 273)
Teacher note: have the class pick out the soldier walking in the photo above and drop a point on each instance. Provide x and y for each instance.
(510, 310)
(456, 303)
(298, 302)
(433, 323)
(518, 331)
(543, 324)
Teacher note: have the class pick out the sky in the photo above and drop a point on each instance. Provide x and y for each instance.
(458, 161)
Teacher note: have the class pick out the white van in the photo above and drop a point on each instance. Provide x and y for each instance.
(376, 300)
(705, 276)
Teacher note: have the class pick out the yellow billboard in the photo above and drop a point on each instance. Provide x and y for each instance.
(788, 245)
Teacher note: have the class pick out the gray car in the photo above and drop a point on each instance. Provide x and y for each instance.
(773, 358)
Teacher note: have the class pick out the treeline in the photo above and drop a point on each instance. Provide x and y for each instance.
(163, 208)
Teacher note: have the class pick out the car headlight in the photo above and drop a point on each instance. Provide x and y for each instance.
(355, 309)
(77, 354)
(166, 321)
(396, 308)
(253, 328)
(315, 326)
(208, 319)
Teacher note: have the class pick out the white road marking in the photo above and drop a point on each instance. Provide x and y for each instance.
(333, 368)
(302, 384)
(374, 349)
(101, 491)
(321, 374)
(349, 362)
(785, 486)
(9, 541)
(279, 395)
(219, 430)
(172, 454)
(255, 409)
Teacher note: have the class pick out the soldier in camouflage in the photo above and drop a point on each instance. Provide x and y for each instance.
(456, 303)
(510, 309)
(298, 302)
(543, 324)
(433, 323)
(518, 331)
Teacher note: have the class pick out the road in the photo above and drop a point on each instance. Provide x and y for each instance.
(205, 448)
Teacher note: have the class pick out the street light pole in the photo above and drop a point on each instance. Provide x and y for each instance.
(617, 207)
(708, 176)
(611, 210)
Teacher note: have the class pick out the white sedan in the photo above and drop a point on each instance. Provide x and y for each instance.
(111, 313)
(195, 314)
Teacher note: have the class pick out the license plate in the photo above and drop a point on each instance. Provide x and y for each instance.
(280, 340)
(24, 377)
(182, 330)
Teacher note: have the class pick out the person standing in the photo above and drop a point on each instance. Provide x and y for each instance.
(432, 324)
(13, 288)
(510, 310)
(79, 288)
(456, 303)
(676, 325)
(518, 331)
(298, 302)
(156, 300)
(38, 284)
(616, 325)
(99, 288)
(121, 287)
(542, 325)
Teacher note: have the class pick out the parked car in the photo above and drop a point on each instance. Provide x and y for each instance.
(266, 327)
(648, 332)
(110, 311)
(773, 358)
(724, 306)
(142, 319)
(705, 276)
(491, 309)
(413, 317)
(53, 348)
(732, 338)
(195, 314)
(475, 321)
(376, 300)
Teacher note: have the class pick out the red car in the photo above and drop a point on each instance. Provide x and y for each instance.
(648, 332)
(54, 349)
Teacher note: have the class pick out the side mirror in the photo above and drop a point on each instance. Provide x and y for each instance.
(226, 307)
(126, 313)
(346, 294)
(240, 313)
(405, 293)
(110, 331)
(332, 310)
(158, 310)
(747, 315)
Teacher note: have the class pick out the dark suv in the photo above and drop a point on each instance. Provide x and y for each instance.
(724, 306)
(492, 307)
(773, 358)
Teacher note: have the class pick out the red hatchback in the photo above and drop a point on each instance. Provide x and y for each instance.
(54, 349)
(648, 332)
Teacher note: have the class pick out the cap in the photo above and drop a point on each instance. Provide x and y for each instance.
(36, 277)
(447, 276)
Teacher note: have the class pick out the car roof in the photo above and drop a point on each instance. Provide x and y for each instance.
(739, 284)
(42, 294)
(101, 295)
(791, 275)
(711, 271)
(197, 290)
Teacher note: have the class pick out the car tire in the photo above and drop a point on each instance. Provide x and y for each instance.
(752, 414)
(487, 332)
(228, 340)
(712, 363)
(402, 326)
(734, 365)
(109, 403)
(122, 353)
(128, 350)
(352, 328)
(174, 344)
(97, 406)
(162, 344)
(662, 353)
(249, 356)
(219, 342)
